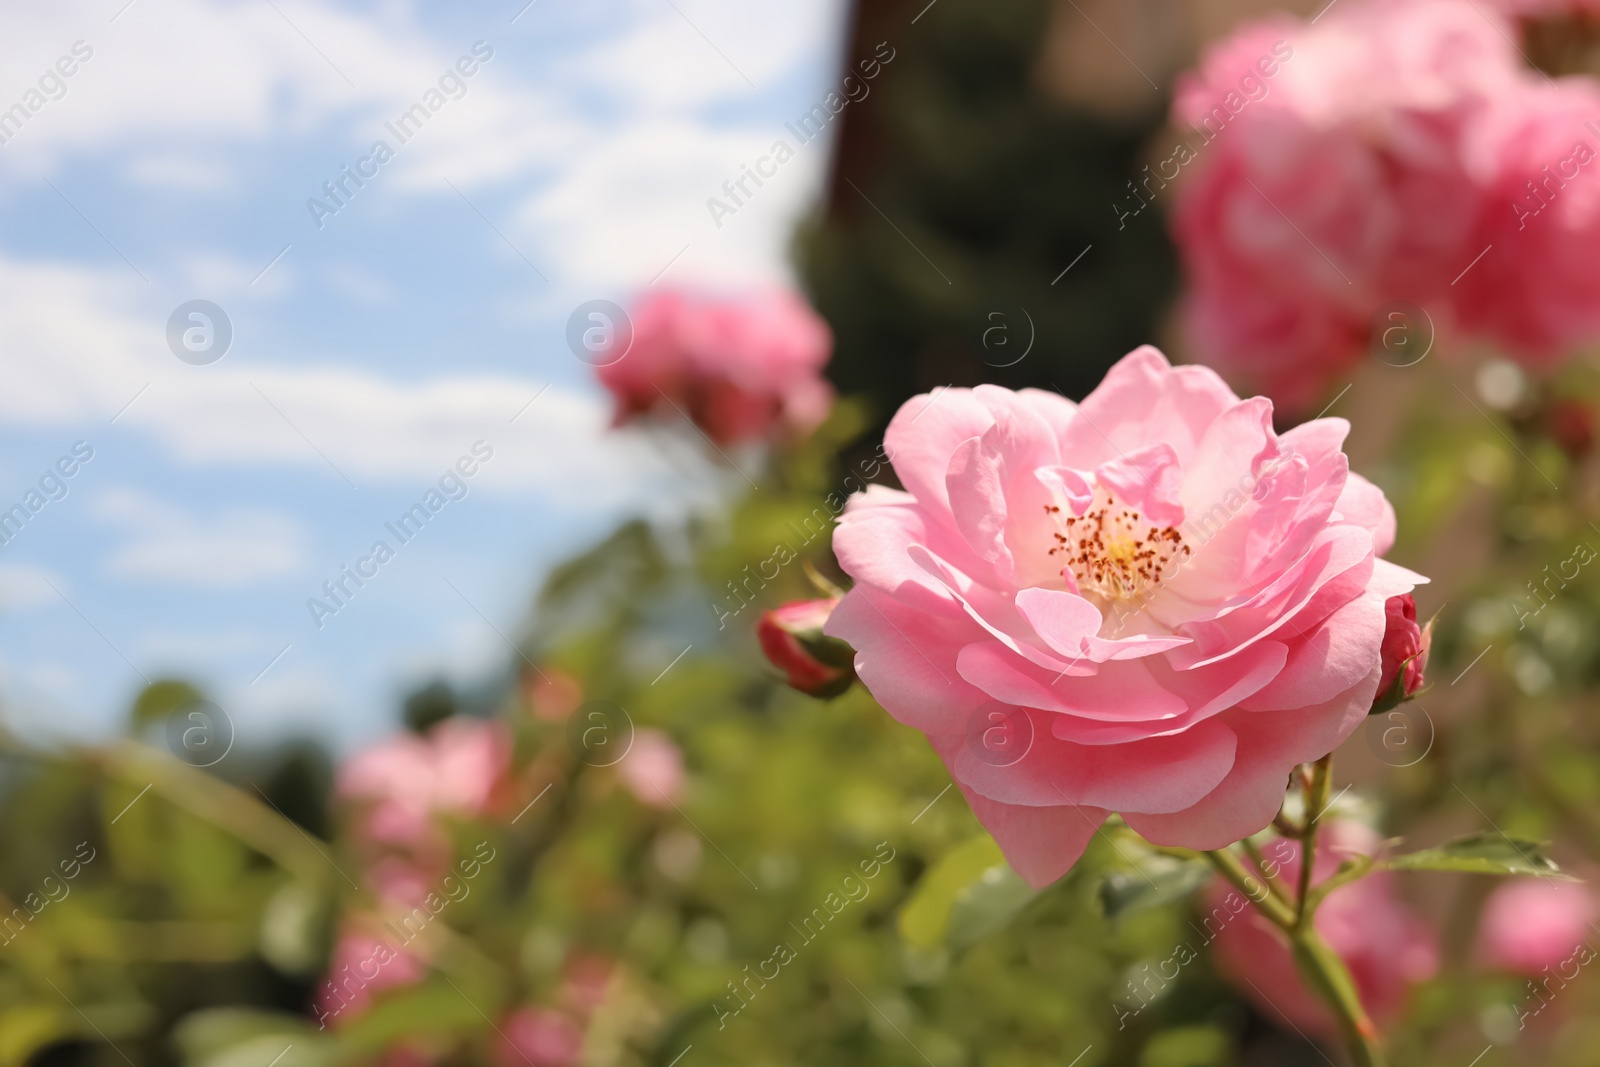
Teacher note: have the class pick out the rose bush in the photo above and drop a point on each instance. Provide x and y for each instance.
(1162, 604)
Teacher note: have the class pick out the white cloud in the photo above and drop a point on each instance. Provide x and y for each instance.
(171, 545)
(75, 349)
(23, 587)
(184, 172)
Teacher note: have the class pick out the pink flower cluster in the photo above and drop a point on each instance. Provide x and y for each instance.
(404, 783)
(1403, 153)
(400, 789)
(741, 369)
(1150, 603)
(1386, 947)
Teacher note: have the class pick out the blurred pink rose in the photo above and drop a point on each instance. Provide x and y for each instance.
(539, 1036)
(363, 964)
(1387, 948)
(1536, 156)
(1151, 603)
(1354, 174)
(737, 367)
(1530, 924)
(653, 768)
(408, 779)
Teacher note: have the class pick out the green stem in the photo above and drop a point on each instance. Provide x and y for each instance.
(214, 801)
(1327, 975)
(1268, 903)
(1259, 863)
(1318, 964)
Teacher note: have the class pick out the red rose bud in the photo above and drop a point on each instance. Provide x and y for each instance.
(812, 662)
(1404, 653)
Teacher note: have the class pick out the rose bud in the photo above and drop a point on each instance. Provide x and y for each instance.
(1404, 653)
(793, 640)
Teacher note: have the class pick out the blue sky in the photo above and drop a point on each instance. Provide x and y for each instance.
(369, 353)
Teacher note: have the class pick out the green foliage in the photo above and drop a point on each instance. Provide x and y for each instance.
(1490, 852)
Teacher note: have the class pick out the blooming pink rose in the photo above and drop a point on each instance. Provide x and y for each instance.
(1386, 947)
(539, 1036)
(363, 964)
(1326, 176)
(408, 779)
(653, 768)
(1149, 603)
(738, 368)
(1530, 924)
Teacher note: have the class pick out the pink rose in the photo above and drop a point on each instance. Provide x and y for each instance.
(1536, 290)
(1531, 924)
(1149, 603)
(1405, 646)
(364, 963)
(738, 368)
(1328, 175)
(653, 769)
(792, 638)
(539, 1036)
(1385, 946)
(409, 779)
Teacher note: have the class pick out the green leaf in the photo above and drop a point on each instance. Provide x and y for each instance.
(1159, 881)
(1481, 853)
(967, 895)
(987, 905)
